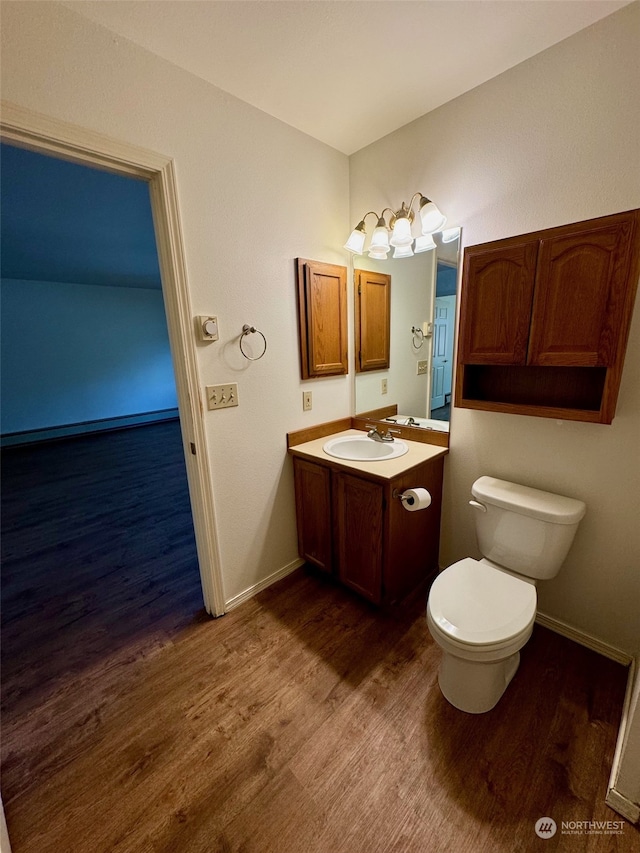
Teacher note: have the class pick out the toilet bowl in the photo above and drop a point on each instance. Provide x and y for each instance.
(481, 612)
(481, 617)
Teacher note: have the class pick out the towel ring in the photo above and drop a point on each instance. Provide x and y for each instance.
(419, 334)
(249, 330)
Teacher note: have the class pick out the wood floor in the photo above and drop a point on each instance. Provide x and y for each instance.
(304, 721)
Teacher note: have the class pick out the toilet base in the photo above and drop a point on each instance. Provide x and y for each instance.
(475, 687)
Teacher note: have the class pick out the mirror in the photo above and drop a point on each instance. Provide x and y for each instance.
(418, 381)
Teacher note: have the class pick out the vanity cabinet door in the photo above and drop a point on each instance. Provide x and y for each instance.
(359, 508)
(313, 513)
(496, 306)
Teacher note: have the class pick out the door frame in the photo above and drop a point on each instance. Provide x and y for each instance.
(42, 134)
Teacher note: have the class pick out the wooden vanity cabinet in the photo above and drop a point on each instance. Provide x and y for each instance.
(350, 524)
(545, 319)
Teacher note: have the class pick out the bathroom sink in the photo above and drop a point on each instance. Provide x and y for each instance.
(361, 447)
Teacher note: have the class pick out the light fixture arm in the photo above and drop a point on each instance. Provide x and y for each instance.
(401, 237)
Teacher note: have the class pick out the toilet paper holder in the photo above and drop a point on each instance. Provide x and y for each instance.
(402, 495)
(413, 499)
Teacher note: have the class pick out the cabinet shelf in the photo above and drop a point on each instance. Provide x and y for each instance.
(578, 388)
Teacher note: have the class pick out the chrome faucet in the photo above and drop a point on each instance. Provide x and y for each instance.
(376, 435)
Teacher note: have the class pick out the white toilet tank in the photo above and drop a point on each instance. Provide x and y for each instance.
(524, 530)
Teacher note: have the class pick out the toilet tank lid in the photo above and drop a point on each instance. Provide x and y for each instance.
(527, 501)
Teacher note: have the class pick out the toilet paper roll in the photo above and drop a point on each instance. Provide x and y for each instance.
(415, 499)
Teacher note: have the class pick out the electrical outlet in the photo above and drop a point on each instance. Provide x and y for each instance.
(307, 403)
(422, 367)
(384, 386)
(222, 396)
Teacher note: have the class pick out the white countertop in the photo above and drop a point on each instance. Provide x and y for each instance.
(386, 469)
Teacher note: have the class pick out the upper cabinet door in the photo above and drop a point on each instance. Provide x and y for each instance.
(322, 315)
(496, 302)
(373, 320)
(580, 294)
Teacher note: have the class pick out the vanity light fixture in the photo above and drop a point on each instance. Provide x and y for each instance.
(450, 234)
(397, 231)
(424, 243)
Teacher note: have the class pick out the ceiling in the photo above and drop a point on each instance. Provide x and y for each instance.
(346, 72)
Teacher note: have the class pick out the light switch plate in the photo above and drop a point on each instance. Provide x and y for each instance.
(222, 396)
(307, 401)
(422, 367)
(384, 386)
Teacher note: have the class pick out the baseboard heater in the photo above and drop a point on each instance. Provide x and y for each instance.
(12, 439)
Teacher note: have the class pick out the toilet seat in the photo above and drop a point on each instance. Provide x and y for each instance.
(475, 605)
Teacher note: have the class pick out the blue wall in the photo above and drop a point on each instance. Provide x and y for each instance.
(67, 222)
(84, 335)
(446, 279)
(73, 353)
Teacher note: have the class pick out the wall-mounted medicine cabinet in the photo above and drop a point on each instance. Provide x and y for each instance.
(322, 318)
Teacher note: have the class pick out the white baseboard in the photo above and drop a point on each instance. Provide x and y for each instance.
(623, 806)
(583, 638)
(263, 584)
(617, 801)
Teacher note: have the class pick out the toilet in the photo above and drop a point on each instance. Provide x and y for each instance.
(481, 612)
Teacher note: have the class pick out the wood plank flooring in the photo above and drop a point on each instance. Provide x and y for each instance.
(304, 721)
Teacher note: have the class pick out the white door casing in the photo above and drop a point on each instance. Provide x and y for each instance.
(49, 136)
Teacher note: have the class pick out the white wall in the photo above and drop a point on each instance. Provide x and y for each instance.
(554, 140)
(254, 194)
(73, 353)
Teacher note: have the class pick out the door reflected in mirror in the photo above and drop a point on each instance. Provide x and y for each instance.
(416, 388)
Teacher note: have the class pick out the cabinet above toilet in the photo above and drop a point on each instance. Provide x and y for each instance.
(545, 318)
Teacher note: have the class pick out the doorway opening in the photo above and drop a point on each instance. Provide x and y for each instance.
(98, 546)
(26, 129)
